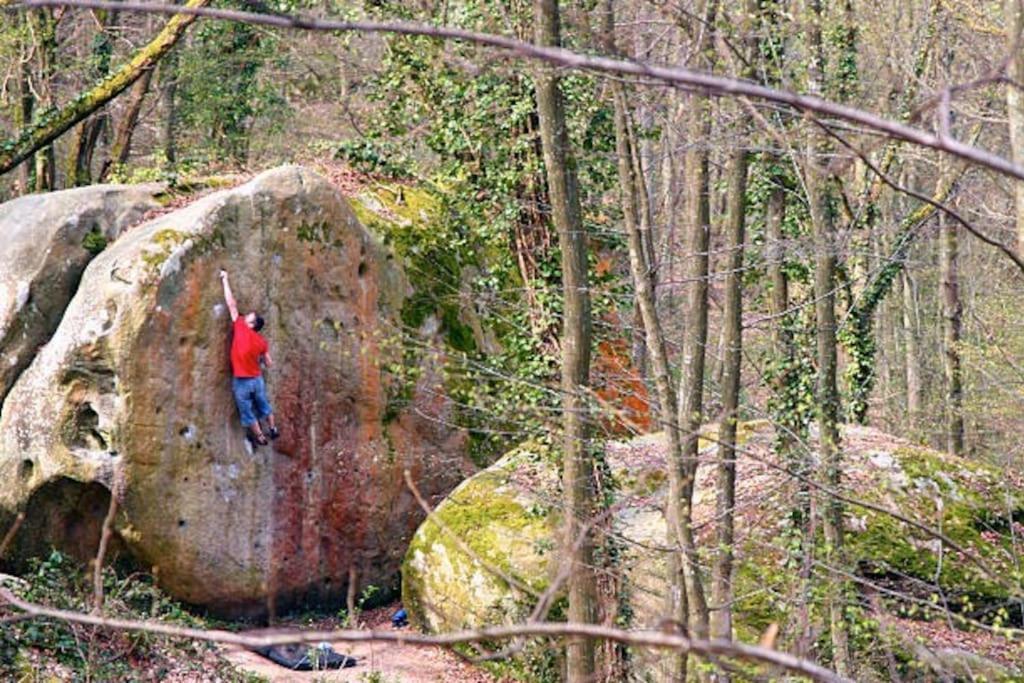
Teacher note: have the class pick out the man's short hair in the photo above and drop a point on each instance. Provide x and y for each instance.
(258, 323)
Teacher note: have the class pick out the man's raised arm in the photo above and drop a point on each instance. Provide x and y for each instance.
(228, 296)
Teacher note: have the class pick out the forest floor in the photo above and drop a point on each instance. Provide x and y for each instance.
(378, 662)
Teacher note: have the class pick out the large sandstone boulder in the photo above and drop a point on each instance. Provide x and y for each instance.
(47, 240)
(134, 388)
(491, 547)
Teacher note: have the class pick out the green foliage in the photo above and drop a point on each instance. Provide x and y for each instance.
(94, 241)
(490, 259)
(47, 647)
(222, 92)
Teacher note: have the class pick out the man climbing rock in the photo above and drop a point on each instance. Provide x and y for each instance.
(248, 347)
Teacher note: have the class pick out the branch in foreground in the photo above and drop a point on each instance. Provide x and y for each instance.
(653, 639)
(717, 85)
(56, 122)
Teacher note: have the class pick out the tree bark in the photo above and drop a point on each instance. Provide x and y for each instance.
(26, 107)
(577, 479)
(721, 582)
(1015, 104)
(52, 125)
(732, 343)
(168, 92)
(691, 382)
(952, 311)
(911, 351)
(121, 149)
(816, 178)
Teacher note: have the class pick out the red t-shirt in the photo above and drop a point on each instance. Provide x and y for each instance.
(246, 348)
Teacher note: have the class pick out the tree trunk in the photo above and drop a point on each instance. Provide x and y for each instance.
(721, 582)
(44, 27)
(35, 137)
(952, 311)
(577, 479)
(122, 146)
(912, 354)
(655, 343)
(168, 92)
(26, 108)
(691, 382)
(83, 148)
(778, 302)
(732, 342)
(1015, 104)
(816, 178)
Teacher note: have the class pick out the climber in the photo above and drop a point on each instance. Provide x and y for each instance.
(248, 347)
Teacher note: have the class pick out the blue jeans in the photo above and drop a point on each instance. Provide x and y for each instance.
(251, 399)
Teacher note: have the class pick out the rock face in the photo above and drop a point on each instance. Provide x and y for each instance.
(132, 394)
(48, 239)
(493, 547)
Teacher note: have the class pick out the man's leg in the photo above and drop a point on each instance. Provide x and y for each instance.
(242, 390)
(263, 408)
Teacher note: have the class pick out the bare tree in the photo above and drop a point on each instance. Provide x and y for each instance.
(697, 225)
(577, 475)
(35, 137)
(816, 178)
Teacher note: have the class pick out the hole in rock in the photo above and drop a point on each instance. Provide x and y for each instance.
(67, 515)
(25, 469)
(85, 429)
(181, 523)
(362, 268)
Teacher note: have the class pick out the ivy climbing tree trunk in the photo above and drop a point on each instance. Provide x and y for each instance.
(577, 476)
(816, 178)
(55, 122)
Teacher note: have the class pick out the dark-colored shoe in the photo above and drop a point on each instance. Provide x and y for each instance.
(251, 438)
(274, 433)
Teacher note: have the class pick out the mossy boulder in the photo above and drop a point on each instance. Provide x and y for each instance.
(508, 517)
(134, 387)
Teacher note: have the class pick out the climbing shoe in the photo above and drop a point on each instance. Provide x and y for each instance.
(274, 433)
(255, 440)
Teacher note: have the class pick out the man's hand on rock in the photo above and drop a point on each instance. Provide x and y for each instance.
(223, 274)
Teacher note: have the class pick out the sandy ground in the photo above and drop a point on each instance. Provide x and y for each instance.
(395, 662)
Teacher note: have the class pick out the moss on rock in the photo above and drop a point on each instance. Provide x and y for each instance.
(505, 514)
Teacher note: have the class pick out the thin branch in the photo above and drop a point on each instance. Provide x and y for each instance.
(9, 536)
(952, 213)
(251, 640)
(710, 83)
(101, 552)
